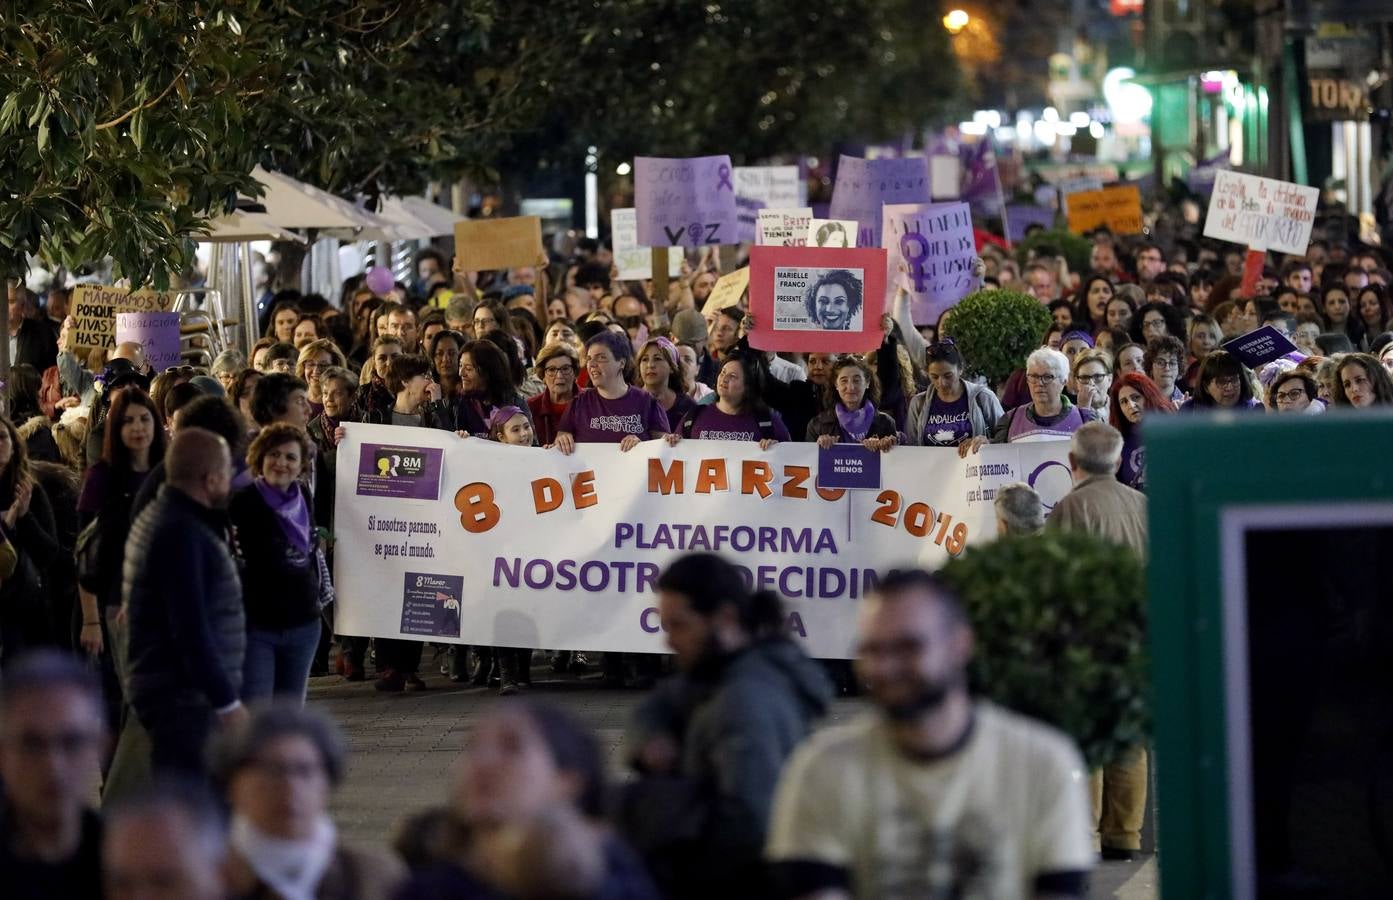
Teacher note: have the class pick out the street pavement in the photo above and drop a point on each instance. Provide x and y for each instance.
(403, 750)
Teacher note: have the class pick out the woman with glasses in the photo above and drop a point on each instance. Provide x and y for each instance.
(278, 771)
(1361, 382)
(1295, 392)
(1049, 414)
(1225, 383)
(1156, 320)
(1133, 396)
(1164, 358)
(1091, 380)
(951, 412)
(557, 364)
(315, 357)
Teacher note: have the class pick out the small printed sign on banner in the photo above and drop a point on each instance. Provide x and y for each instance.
(408, 473)
(783, 227)
(864, 185)
(484, 245)
(430, 605)
(94, 309)
(1260, 346)
(1261, 212)
(816, 299)
(686, 202)
(1118, 207)
(849, 466)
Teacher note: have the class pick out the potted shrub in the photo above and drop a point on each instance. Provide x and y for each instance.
(1060, 624)
(995, 330)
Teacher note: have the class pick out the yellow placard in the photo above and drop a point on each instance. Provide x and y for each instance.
(727, 291)
(1118, 207)
(484, 244)
(94, 308)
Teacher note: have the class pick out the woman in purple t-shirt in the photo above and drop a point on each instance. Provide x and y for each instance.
(739, 413)
(612, 411)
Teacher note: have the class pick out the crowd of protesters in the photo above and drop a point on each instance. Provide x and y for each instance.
(173, 531)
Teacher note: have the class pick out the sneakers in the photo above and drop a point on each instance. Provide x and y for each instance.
(391, 681)
(414, 683)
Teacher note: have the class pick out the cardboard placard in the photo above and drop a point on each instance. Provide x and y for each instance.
(1262, 212)
(935, 245)
(777, 187)
(783, 227)
(848, 466)
(94, 309)
(487, 244)
(688, 202)
(1259, 346)
(634, 260)
(727, 291)
(1118, 207)
(156, 332)
(815, 299)
(864, 185)
(832, 233)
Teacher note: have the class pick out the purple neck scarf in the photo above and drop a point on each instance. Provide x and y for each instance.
(291, 511)
(856, 424)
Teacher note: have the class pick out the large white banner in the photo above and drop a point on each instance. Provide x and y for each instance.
(463, 540)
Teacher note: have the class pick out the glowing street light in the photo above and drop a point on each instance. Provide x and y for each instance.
(956, 20)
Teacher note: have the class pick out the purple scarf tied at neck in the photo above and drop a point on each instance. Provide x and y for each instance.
(291, 510)
(856, 424)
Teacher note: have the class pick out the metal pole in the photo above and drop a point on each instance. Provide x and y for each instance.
(248, 301)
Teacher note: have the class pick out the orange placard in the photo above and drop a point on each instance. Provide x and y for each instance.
(483, 244)
(1119, 208)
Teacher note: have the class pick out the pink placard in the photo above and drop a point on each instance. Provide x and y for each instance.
(817, 299)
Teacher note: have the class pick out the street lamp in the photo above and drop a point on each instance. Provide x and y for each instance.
(956, 20)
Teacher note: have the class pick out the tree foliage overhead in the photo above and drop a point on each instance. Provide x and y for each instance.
(125, 124)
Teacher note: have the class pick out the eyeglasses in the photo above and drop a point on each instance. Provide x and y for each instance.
(1290, 396)
(1166, 364)
(559, 370)
(1227, 381)
(1040, 379)
(1093, 379)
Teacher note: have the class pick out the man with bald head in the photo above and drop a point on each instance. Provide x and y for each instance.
(184, 603)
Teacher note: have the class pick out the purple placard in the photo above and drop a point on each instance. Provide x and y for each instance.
(685, 202)
(410, 473)
(934, 244)
(747, 212)
(1259, 346)
(849, 466)
(864, 185)
(430, 604)
(156, 332)
(1020, 216)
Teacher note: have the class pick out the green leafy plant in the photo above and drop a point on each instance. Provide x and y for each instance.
(995, 330)
(1076, 249)
(1060, 624)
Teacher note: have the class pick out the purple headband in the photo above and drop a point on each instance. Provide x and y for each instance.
(1077, 336)
(668, 347)
(500, 416)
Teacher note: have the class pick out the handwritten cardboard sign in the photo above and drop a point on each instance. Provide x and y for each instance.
(783, 227)
(864, 185)
(816, 299)
(1020, 216)
(634, 260)
(687, 202)
(777, 187)
(934, 244)
(1119, 208)
(485, 244)
(832, 232)
(156, 332)
(94, 309)
(1261, 212)
(1259, 346)
(727, 291)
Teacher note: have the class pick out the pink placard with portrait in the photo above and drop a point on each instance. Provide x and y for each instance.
(817, 299)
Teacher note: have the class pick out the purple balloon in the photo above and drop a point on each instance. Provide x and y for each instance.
(380, 281)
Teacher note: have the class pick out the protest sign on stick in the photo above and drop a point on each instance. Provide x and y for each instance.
(933, 245)
(1259, 346)
(688, 202)
(864, 185)
(488, 244)
(727, 291)
(156, 332)
(1119, 208)
(635, 261)
(1264, 212)
(94, 309)
(817, 299)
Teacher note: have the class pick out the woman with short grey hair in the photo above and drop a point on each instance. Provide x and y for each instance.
(1049, 414)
